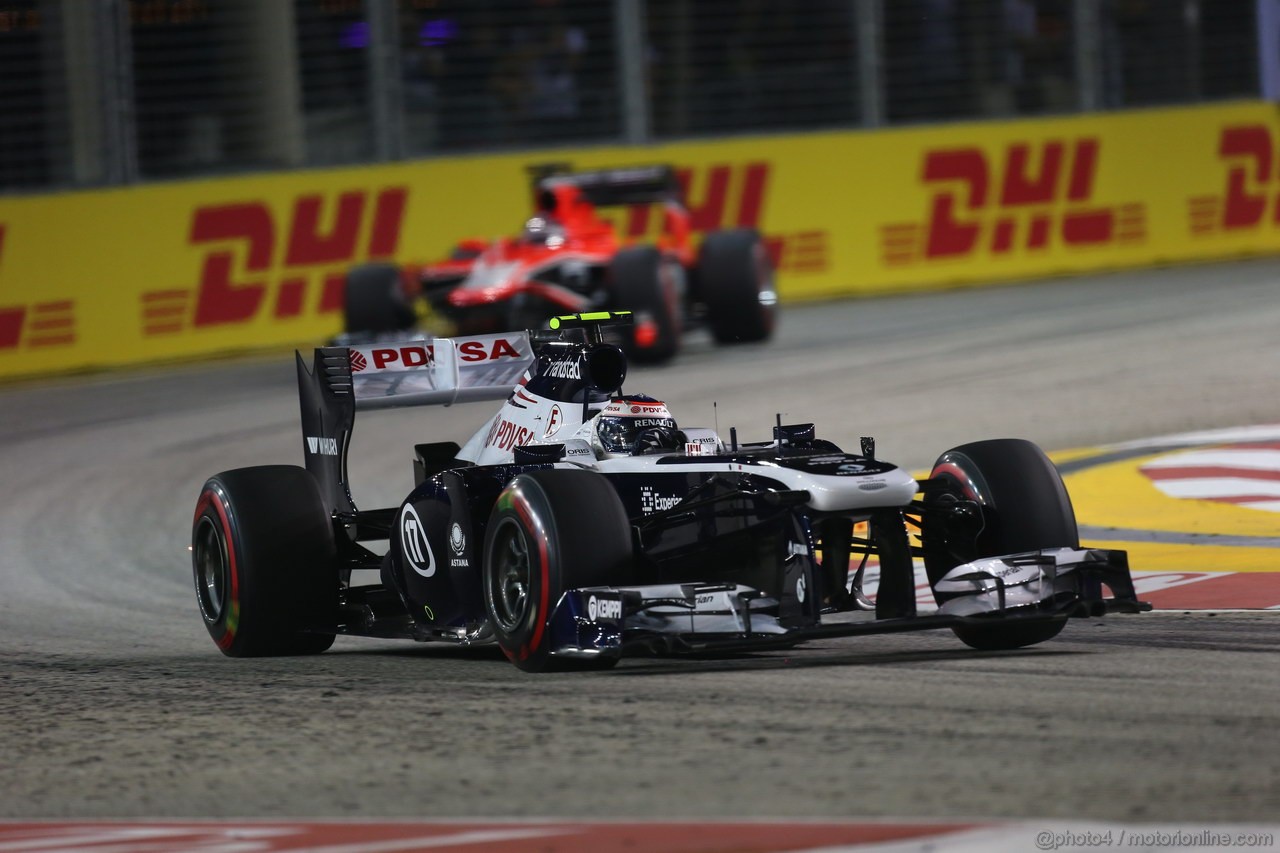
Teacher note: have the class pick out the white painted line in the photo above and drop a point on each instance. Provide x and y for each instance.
(1230, 457)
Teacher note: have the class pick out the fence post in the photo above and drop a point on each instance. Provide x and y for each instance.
(116, 102)
(869, 25)
(386, 96)
(1087, 30)
(629, 27)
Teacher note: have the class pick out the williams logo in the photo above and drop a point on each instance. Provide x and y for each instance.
(414, 544)
(322, 446)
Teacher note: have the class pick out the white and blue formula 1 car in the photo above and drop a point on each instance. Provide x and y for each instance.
(580, 523)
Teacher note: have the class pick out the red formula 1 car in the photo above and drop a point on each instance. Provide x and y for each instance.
(569, 260)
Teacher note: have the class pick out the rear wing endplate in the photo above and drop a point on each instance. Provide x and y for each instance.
(433, 371)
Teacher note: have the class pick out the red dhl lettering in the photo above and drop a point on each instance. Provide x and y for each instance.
(1027, 198)
(733, 195)
(44, 324)
(707, 193)
(227, 295)
(1249, 152)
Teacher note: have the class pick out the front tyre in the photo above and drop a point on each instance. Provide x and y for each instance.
(264, 562)
(1024, 507)
(735, 279)
(374, 301)
(550, 531)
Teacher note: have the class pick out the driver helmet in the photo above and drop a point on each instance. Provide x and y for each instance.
(543, 230)
(635, 424)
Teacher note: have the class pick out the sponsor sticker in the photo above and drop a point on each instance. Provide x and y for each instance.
(567, 369)
(414, 544)
(505, 435)
(602, 607)
(458, 543)
(651, 501)
(555, 420)
(322, 446)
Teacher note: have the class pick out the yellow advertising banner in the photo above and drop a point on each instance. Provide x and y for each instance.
(179, 270)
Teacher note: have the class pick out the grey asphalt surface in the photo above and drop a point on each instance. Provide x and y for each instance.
(114, 702)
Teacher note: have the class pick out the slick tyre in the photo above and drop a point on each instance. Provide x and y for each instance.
(1025, 507)
(374, 301)
(735, 280)
(550, 531)
(264, 562)
(644, 284)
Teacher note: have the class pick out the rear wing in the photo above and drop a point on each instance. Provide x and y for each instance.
(612, 187)
(434, 371)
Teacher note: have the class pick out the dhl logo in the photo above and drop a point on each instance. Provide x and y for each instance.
(1034, 196)
(44, 324)
(1252, 173)
(363, 225)
(734, 196)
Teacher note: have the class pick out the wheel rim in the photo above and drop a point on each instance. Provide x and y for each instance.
(211, 570)
(510, 577)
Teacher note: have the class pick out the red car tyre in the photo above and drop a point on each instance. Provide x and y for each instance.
(264, 562)
(735, 280)
(646, 285)
(374, 300)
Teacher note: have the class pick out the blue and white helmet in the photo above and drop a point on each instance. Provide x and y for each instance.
(635, 424)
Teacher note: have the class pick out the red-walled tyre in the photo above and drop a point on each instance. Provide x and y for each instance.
(550, 531)
(1025, 507)
(264, 562)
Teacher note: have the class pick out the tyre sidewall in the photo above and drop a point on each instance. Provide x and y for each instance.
(1025, 507)
(649, 285)
(733, 271)
(576, 534)
(281, 567)
(374, 300)
(1024, 502)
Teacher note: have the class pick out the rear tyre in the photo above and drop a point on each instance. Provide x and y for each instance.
(1025, 507)
(374, 301)
(649, 288)
(264, 562)
(550, 531)
(735, 279)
